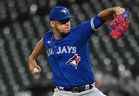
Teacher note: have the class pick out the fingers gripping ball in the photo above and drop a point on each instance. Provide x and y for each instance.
(36, 70)
(119, 25)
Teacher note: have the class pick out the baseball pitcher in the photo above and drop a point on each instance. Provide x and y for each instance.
(68, 52)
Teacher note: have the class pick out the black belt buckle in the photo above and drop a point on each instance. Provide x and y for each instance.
(76, 89)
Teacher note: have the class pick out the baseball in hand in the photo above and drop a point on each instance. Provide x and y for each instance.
(36, 70)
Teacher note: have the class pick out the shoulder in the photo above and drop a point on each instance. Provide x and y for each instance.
(47, 35)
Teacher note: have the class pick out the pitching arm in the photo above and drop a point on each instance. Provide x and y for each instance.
(32, 59)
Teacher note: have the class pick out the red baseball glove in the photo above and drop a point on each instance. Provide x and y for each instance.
(119, 25)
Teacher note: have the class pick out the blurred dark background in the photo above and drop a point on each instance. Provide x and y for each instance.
(24, 22)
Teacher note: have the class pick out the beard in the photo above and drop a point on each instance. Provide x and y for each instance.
(63, 34)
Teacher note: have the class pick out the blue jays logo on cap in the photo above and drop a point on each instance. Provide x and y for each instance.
(64, 10)
(59, 13)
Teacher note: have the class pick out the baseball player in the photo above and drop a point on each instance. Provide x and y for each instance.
(68, 52)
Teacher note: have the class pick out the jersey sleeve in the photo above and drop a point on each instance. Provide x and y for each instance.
(96, 22)
(87, 28)
(45, 38)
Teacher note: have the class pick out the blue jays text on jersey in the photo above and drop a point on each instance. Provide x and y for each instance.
(62, 50)
(69, 57)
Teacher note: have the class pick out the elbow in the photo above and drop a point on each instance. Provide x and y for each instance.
(31, 57)
(30, 60)
(30, 63)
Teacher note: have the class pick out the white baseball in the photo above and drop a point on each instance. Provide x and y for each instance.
(35, 70)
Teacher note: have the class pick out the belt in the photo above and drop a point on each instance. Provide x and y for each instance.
(77, 88)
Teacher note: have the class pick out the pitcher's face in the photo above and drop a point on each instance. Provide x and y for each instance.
(61, 27)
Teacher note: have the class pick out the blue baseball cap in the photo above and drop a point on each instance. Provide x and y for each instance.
(59, 13)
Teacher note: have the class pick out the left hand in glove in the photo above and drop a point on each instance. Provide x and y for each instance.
(119, 25)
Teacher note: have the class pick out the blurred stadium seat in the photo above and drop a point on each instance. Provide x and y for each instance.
(23, 23)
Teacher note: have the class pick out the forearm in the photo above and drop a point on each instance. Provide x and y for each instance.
(32, 60)
(115, 18)
(109, 13)
(105, 16)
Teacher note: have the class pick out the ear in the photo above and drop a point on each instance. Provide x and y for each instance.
(52, 23)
